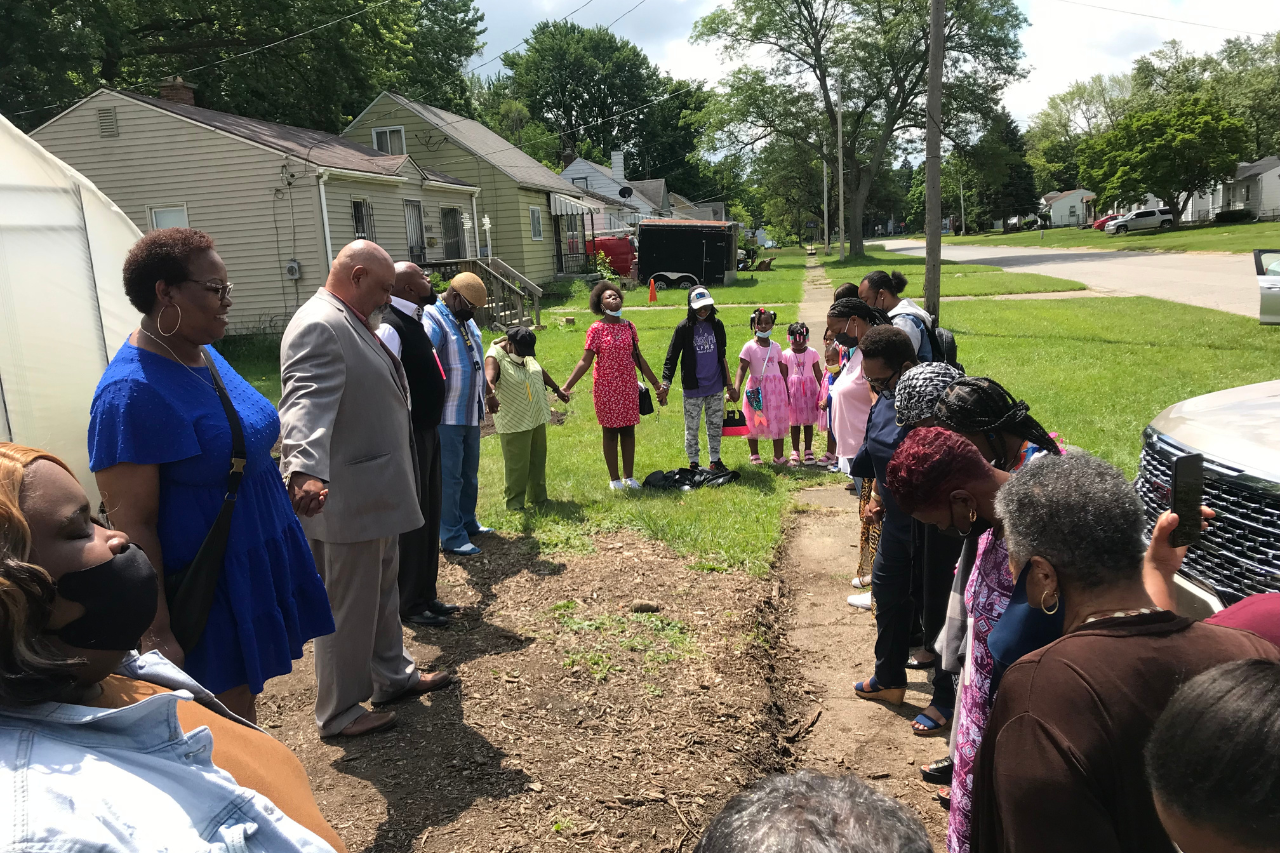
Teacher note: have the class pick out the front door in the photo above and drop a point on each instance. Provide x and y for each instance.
(451, 224)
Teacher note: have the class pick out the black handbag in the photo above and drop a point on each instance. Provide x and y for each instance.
(646, 400)
(190, 592)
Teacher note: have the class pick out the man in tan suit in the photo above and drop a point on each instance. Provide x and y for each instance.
(347, 456)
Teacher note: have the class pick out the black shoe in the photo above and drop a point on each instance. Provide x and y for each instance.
(426, 619)
(718, 466)
(937, 772)
(439, 608)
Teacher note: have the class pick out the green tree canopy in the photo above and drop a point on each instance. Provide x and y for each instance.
(56, 51)
(1183, 147)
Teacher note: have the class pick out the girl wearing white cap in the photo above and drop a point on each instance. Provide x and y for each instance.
(699, 345)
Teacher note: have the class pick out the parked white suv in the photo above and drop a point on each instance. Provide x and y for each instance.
(1140, 220)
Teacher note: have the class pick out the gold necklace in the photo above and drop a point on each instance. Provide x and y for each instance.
(180, 361)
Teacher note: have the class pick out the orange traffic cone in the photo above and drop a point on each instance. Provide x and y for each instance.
(653, 291)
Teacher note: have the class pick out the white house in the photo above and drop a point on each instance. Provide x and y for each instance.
(1068, 208)
(649, 198)
(1256, 187)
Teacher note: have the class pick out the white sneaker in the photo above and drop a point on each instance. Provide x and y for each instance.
(862, 602)
(631, 483)
(858, 583)
(617, 485)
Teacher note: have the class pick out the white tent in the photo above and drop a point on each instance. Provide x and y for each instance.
(63, 312)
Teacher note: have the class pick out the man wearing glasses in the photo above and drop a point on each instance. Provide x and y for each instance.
(451, 325)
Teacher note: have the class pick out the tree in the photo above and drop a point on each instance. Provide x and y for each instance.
(583, 84)
(1172, 152)
(876, 51)
(1085, 109)
(494, 105)
(1004, 183)
(55, 51)
(790, 178)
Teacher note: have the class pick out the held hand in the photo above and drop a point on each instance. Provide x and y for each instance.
(874, 513)
(563, 395)
(822, 404)
(307, 494)
(735, 394)
(662, 396)
(491, 403)
(1163, 557)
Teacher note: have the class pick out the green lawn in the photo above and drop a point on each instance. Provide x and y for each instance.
(957, 279)
(733, 527)
(1098, 370)
(783, 284)
(1240, 237)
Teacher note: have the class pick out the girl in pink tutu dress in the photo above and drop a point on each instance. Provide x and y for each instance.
(804, 384)
(766, 402)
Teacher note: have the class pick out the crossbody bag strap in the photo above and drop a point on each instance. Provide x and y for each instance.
(238, 454)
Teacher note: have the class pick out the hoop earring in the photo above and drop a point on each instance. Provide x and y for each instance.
(1057, 602)
(973, 516)
(162, 332)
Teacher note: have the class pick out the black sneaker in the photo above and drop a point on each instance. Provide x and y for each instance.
(719, 467)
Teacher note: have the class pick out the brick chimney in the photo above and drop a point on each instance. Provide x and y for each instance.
(618, 174)
(178, 90)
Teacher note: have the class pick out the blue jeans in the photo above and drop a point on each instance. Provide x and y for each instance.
(460, 482)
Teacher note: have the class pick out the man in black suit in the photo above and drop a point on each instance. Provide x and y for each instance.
(401, 330)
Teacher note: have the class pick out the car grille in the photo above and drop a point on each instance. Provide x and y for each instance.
(1239, 555)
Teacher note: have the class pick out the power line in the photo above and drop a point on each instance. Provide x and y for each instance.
(239, 55)
(624, 14)
(1161, 18)
(525, 41)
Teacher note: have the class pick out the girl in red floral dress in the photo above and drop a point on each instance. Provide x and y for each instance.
(616, 343)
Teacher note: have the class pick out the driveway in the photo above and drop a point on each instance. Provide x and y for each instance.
(1221, 281)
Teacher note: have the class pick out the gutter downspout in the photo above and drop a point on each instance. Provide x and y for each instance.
(475, 221)
(324, 217)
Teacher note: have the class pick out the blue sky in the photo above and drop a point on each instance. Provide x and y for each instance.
(1063, 42)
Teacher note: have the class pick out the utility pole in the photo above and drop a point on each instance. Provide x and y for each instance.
(840, 160)
(826, 217)
(963, 230)
(933, 162)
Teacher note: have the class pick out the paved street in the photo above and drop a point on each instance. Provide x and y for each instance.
(1224, 282)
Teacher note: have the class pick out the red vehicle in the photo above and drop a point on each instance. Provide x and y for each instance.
(1101, 222)
(619, 251)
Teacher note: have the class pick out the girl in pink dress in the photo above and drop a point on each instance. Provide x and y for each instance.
(766, 401)
(614, 346)
(805, 385)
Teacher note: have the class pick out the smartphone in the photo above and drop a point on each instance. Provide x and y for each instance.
(1188, 495)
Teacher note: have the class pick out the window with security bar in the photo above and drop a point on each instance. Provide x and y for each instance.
(362, 219)
(417, 237)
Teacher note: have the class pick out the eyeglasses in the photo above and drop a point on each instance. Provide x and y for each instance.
(465, 300)
(215, 285)
(879, 385)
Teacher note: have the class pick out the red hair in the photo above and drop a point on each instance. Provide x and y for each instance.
(929, 465)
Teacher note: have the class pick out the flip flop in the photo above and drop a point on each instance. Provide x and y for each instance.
(924, 725)
(871, 689)
(944, 797)
(937, 772)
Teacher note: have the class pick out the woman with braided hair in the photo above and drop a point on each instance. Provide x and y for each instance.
(1000, 427)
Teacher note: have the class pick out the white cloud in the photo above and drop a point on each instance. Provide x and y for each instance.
(1066, 42)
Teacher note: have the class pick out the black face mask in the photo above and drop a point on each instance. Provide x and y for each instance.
(463, 315)
(847, 340)
(955, 532)
(119, 599)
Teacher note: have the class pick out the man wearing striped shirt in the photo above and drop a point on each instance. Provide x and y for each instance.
(456, 338)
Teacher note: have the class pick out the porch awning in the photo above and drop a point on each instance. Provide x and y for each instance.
(562, 205)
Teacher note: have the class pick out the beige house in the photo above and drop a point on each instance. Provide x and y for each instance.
(279, 201)
(535, 216)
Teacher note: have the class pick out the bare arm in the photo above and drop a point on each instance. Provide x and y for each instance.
(579, 370)
(743, 366)
(492, 372)
(733, 391)
(647, 373)
(817, 374)
(131, 494)
(1162, 560)
(556, 389)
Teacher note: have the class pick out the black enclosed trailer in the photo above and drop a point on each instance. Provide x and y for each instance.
(684, 252)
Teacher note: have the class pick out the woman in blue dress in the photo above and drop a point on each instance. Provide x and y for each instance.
(160, 448)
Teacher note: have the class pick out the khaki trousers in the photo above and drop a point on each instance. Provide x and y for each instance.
(364, 658)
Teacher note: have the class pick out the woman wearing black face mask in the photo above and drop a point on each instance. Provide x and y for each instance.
(847, 320)
(75, 598)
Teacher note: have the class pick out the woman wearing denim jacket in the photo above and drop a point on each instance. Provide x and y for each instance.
(113, 751)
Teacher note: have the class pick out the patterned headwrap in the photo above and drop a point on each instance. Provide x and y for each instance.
(919, 390)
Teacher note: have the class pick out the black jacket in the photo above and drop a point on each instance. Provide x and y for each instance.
(681, 350)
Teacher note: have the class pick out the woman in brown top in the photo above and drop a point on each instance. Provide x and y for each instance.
(1061, 766)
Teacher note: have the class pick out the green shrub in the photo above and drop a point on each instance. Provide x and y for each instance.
(1228, 216)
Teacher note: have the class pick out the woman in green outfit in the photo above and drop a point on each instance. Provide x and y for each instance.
(520, 413)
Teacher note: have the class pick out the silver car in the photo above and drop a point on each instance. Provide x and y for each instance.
(1238, 432)
(1267, 264)
(1140, 220)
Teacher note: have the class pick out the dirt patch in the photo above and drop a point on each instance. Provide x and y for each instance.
(827, 646)
(576, 720)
